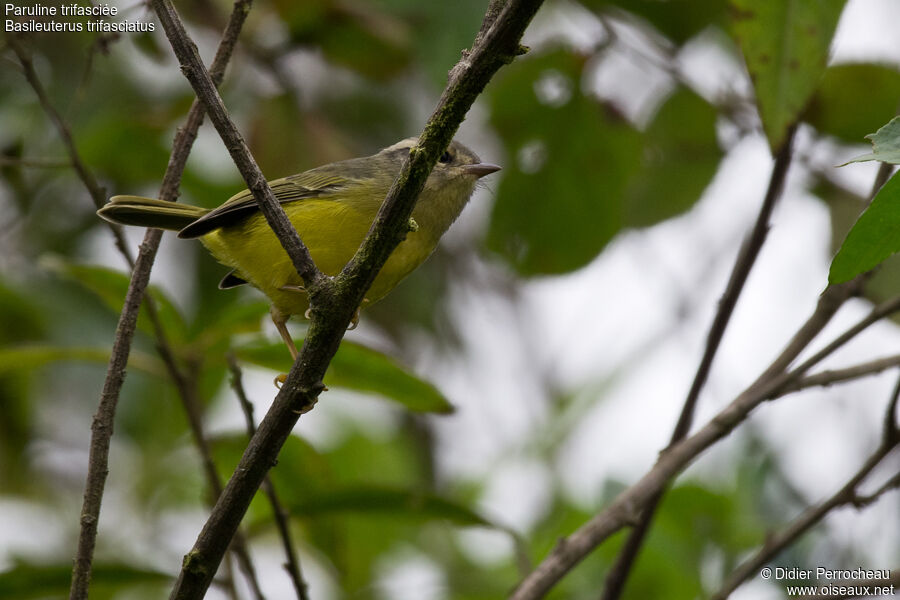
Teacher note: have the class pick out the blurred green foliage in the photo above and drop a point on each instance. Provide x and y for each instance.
(27, 581)
(577, 173)
(833, 108)
(359, 368)
(556, 180)
(677, 20)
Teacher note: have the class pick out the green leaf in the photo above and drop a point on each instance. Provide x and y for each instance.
(680, 156)
(836, 108)
(385, 500)
(234, 318)
(561, 201)
(364, 369)
(111, 286)
(121, 139)
(785, 44)
(301, 470)
(22, 321)
(439, 31)
(581, 173)
(32, 356)
(874, 237)
(356, 367)
(672, 555)
(885, 144)
(844, 208)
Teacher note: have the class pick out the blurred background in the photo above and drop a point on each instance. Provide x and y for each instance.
(530, 370)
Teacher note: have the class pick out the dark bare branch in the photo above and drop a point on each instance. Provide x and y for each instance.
(204, 86)
(292, 566)
(620, 513)
(618, 574)
(102, 426)
(846, 496)
(333, 311)
(833, 376)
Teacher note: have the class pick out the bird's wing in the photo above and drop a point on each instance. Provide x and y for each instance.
(310, 184)
(231, 280)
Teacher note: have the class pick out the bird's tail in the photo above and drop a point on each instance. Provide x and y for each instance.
(149, 212)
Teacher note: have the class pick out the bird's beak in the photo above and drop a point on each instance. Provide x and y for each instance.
(481, 169)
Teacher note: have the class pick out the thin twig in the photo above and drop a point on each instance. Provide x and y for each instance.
(292, 566)
(163, 347)
(339, 300)
(195, 72)
(102, 425)
(877, 313)
(618, 573)
(833, 376)
(186, 384)
(97, 193)
(863, 500)
(624, 510)
(846, 496)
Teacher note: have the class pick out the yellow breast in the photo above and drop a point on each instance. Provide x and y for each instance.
(332, 230)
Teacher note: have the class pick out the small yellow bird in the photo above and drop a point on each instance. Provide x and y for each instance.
(332, 208)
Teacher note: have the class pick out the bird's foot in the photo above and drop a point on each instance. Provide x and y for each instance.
(354, 321)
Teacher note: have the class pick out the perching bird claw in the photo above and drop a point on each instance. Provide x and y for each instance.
(354, 321)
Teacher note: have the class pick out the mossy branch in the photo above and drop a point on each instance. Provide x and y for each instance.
(102, 425)
(333, 301)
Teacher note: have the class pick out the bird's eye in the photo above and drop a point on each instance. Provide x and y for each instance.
(445, 157)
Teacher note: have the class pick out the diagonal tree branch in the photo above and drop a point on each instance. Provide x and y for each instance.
(618, 574)
(292, 566)
(625, 509)
(186, 384)
(615, 580)
(96, 191)
(847, 495)
(333, 303)
(98, 195)
(102, 425)
(833, 376)
(204, 86)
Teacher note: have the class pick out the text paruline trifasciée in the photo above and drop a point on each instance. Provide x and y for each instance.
(46, 18)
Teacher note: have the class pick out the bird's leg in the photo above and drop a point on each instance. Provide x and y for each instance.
(280, 320)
